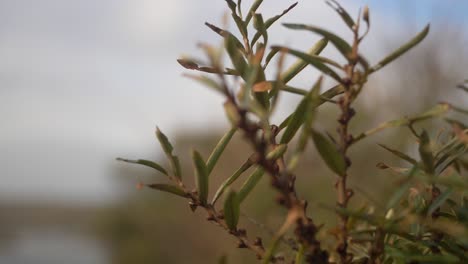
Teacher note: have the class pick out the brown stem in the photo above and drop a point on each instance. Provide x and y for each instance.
(436, 236)
(377, 248)
(284, 182)
(347, 112)
(218, 219)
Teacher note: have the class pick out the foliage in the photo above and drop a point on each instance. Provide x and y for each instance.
(426, 218)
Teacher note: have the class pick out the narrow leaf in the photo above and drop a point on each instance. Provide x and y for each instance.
(277, 152)
(296, 120)
(252, 10)
(168, 188)
(299, 115)
(324, 97)
(201, 175)
(259, 25)
(231, 210)
(338, 42)
(270, 56)
(219, 149)
(342, 12)
(247, 164)
(329, 153)
(438, 110)
(146, 163)
(227, 35)
(298, 66)
(402, 190)
(271, 21)
(204, 80)
(306, 128)
(425, 152)
(449, 158)
(167, 147)
(188, 64)
(315, 61)
(236, 56)
(400, 154)
(232, 113)
(403, 49)
(249, 185)
(439, 201)
(192, 65)
(240, 25)
(231, 6)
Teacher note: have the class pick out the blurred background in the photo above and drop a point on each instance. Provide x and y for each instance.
(83, 82)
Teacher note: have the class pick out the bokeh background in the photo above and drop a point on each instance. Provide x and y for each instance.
(83, 82)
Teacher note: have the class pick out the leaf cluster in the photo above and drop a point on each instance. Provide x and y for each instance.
(426, 218)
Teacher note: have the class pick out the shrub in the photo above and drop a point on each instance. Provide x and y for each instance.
(426, 218)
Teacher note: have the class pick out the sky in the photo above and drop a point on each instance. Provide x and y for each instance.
(83, 82)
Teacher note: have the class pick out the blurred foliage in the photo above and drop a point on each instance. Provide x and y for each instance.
(418, 215)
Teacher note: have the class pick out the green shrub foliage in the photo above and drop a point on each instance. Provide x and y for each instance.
(426, 218)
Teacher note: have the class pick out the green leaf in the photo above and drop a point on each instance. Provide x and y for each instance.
(299, 259)
(315, 61)
(299, 115)
(259, 25)
(146, 163)
(277, 152)
(227, 35)
(425, 152)
(439, 201)
(167, 147)
(236, 56)
(232, 113)
(397, 170)
(400, 154)
(309, 57)
(306, 128)
(403, 49)
(201, 175)
(449, 157)
(204, 80)
(231, 6)
(270, 56)
(338, 42)
(270, 22)
(293, 90)
(324, 97)
(168, 188)
(342, 12)
(402, 190)
(249, 185)
(296, 120)
(247, 164)
(218, 150)
(252, 10)
(241, 26)
(298, 66)
(270, 85)
(438, 110)
(231, 210)
(193, 65)
(329, 153)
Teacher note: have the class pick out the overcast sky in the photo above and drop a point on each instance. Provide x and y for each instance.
(82, 82)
